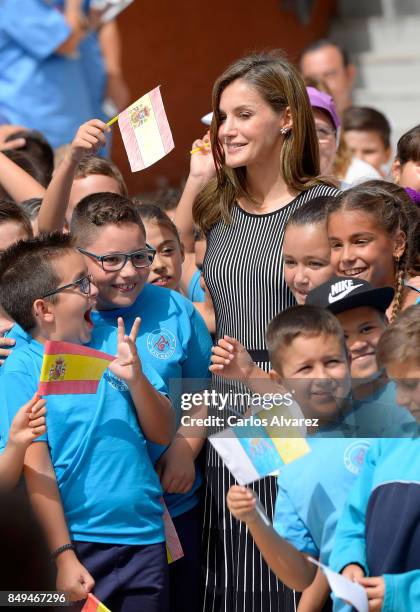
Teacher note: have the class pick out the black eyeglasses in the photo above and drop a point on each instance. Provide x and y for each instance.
(143, 258)
(82, 283)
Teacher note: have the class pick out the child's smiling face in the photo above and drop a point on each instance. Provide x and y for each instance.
(360, 248)
(316, 370)
(362, 328)
(166, 269)
(118, 289)
(306, 257)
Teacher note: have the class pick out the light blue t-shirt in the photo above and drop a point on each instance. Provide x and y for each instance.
(195, 292)
(39, 88)
(109, 489)
(312, 491)
(173, 340)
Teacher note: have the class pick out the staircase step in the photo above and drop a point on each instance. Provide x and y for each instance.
(377, 34)
(370, 8)
(388, 72)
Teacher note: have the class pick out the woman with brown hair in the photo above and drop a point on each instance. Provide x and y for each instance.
(266, 156)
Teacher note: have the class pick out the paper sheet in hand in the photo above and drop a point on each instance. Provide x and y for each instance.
(145, 131)
(114, 8)
(252, 452)
(344, 588)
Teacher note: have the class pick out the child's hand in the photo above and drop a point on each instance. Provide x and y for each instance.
(242, 503)
(89, 139)
(72, 577)
(4, 351)
(353, 572)
(202, 163)
(176, 468)
(231, 360)
(375, 590)
(127, 365)
(28, 423)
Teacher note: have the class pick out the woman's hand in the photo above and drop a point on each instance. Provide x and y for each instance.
(202, 164)
(230, 359)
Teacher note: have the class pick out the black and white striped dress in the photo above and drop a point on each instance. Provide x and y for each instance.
(244, 273)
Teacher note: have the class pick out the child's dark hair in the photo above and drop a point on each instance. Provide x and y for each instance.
(154, 214)
(393, 210)
(13, 213)
(367, 119)
(312, 212)
(100, 209)
(408, 147)
(28, 164)
(31, 207)
(105, 167)
(27, 273)
(39, 151)
(306, 320)
(401, 340)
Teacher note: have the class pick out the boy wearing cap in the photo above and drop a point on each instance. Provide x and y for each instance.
(360, 309)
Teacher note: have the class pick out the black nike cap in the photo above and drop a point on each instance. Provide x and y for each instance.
(342, 293)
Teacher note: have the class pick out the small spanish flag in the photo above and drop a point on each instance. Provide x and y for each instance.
(71, 368)
(94, 605)
(145, 130)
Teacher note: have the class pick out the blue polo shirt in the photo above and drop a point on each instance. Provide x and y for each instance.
(173, 340)
(109, 489)
(39, 88)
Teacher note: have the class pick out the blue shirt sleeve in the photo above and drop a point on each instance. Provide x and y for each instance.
(16, 388)
(290, 526)
(198, 350)
(37, 27)
(402, 591)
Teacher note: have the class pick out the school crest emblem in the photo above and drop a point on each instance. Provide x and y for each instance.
(57, 370)
(161, 343)
(354, 456)
(139, 115)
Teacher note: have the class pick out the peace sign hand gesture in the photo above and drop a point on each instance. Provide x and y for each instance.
(127, 364)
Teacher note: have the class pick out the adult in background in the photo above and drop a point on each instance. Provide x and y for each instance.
(266, 155)
(325, 61)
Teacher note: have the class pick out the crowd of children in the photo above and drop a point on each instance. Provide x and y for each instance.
(268, 277)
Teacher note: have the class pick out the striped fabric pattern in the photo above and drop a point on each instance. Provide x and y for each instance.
(243, 270)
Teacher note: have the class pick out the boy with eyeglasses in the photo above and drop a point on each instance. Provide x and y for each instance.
(173, 337)
(90, 480)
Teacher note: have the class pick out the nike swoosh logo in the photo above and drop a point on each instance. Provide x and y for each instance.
(335, 298)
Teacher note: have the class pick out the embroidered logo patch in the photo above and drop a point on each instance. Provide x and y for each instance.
(354, 456)
(161, 343)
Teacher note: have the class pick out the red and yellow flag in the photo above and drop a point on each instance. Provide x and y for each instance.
(94, 605)
(71, 368)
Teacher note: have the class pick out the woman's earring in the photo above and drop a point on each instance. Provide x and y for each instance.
(284, 130)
